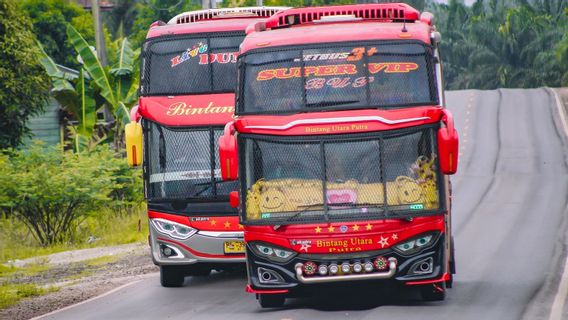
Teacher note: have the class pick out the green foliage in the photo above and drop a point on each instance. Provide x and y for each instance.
(10, 294)
(24, 85)
(115, 88)
(149, 11)
(51, 191)
(120, 20)
(106, 226)
(495, 44)
(50, 19)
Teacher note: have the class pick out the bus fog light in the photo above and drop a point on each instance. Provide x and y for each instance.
(322, 270)
(357, 267)
(345, 267)
(368, 267)
(333, 268)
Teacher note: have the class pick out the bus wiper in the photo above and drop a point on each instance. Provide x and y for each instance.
(208, 185)
(330, 103)
(305, 208)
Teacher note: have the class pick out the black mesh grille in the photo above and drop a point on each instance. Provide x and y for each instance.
(336, 76)
(183, 163)
(284, 179)
(190, 64)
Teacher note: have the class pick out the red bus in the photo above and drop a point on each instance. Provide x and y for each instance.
(342, 147)
(187, 83)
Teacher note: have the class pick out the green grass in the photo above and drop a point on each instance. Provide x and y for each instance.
(10, 294)
(7, 270)
(16, 242)
(101, 261)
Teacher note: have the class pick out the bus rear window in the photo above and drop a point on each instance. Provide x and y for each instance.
(337, 76)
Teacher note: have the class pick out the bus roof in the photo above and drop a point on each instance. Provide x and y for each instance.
(224, 25)
(384, 21)
(337, 32)
(212, 20)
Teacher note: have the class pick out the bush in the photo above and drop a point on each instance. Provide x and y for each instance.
(52, 191)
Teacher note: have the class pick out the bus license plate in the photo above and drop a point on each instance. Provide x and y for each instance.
(234, 247)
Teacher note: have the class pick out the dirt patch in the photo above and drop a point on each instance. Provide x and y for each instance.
(77, 278)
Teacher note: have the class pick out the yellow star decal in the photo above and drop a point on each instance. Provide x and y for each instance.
(213, 222)
(227, 224)
(368, 226)
(356, 228)
(331, 229)
(241, 226)
(318, 229)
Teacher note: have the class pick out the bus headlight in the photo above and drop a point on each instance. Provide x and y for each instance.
(416, 244)
(173, 229)
(272, 252)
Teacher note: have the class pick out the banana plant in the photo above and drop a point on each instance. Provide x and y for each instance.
(94, 88)
(118, 86)
(75, 95)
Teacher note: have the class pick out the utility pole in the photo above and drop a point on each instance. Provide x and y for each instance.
(99, 35)
(259, 3)
(206, 4)
(100, 45)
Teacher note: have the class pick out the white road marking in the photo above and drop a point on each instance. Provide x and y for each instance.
(92, 299)
(560, 299)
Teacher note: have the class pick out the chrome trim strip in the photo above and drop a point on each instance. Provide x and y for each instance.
(222, 234)
(351, 277)
(337, 120)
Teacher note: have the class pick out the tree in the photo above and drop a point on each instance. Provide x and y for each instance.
(149, 11)
(50, 19)
(53, 191)
(24, 86)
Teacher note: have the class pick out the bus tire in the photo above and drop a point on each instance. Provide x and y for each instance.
(171, 276)
(433, 292)
(271, 300)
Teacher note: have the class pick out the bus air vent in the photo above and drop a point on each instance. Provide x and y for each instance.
(201, 15)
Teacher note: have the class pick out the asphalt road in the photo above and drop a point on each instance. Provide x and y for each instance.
(510, 199)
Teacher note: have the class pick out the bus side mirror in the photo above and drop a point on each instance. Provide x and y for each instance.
(234, 200)
(133, 137)
(228, 154)
(448, 144)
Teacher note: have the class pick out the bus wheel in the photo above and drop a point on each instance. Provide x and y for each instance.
(271, 300)
(433, 292)
(171, 276)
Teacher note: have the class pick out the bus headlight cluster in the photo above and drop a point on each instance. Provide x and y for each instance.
(416, 244)
(379, 264)
(272, 252)
(173, 229)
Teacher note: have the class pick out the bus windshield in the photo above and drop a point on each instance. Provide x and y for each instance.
(190, 64)
(183, 164)
(336, 76)
(340, 178)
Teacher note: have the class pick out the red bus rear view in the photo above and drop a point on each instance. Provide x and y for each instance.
(343, 148)
(187, 83)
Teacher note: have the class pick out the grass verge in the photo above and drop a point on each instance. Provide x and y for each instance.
(102, 229)
(10, 294)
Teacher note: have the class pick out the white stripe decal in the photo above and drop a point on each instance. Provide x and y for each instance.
(337, 120)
